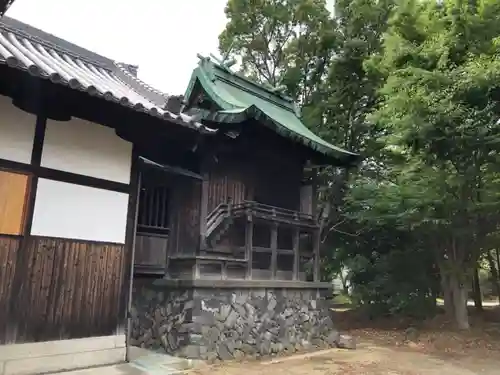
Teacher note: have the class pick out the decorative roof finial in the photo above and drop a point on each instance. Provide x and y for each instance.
(224, 61)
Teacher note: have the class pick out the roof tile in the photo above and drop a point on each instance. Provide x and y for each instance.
(43, 55)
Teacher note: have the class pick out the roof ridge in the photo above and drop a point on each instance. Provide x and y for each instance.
(153, 95)
(124, 70)
(30, 32)
(261, 86)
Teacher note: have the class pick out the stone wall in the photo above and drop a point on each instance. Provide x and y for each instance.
(228, 323)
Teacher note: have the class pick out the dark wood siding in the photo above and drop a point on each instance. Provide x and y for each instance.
(273, 182)
(9, 247)
(184, 235)
(62, 289)
(227, 181)
(277, 183)
(151, 250)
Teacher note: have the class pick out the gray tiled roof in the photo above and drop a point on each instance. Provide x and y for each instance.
(44, 55)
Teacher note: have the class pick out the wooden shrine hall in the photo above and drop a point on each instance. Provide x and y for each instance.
(248, 212)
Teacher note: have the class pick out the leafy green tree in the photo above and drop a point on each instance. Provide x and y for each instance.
(321, 59)
(440, 106)
(272, 37)
(428, 188)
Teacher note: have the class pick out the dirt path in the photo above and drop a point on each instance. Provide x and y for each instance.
(368, 359)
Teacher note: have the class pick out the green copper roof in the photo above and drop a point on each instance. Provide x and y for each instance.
(241, 99)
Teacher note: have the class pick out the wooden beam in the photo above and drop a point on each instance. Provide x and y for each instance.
(274, 250)
(249, 244)
(170, 169)
(204, 211)
(130, 242)
(316, 243)
(296, 253)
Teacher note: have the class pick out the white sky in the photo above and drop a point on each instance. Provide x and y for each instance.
(161, 36)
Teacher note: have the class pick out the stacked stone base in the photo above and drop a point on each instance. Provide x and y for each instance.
(230, 323)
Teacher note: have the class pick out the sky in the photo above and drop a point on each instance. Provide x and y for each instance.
(163, 37)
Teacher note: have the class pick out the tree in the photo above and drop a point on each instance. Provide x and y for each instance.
(322, 65)
(413, 85)
(319, 58)
(389, 210)
(440, 103)
(274, 38)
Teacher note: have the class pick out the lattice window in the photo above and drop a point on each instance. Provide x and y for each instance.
(153, 207)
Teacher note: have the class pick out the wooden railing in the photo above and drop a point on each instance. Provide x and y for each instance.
(216, 217)
(276, 213)
(258, 210)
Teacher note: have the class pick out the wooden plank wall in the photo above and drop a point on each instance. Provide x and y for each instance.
(226, 180)
(273, 182)
(9, 247)
(151, 250)
(61, 289)
(184, 236)
(277, 183)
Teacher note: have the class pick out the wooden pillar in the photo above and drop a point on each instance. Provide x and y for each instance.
(204, 211)
(223, 270)
(316, 243)
(249, 244)
(314, 192)
(296, 253)
(274, 250)
(196, 270)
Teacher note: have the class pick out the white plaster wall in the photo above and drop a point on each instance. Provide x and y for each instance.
(17, 132)
(79, 212)
(86, 148)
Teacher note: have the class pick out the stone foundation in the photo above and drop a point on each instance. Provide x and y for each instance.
(227, 323)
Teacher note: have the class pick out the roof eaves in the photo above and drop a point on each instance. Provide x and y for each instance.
(234, 114)
(253, 112)
(41, 59)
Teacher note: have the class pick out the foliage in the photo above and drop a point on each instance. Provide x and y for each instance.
(414, 85)
(272, 37)
(440, 104)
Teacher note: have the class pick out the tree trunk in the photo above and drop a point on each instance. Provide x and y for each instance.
(455, 298)
(447, 296)
(459, 293)
(494, 273)
(497, 252)
(345, 288)
(476, 290)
